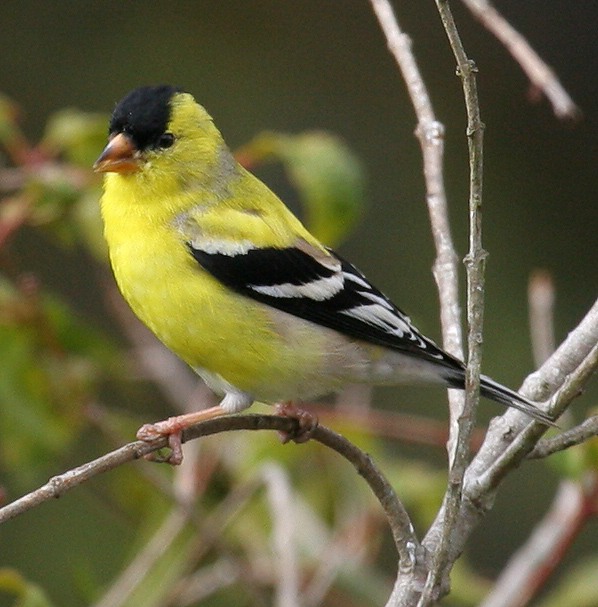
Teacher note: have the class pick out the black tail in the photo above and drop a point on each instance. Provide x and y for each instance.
(501, 394)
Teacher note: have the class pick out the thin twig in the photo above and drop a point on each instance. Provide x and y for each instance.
(566, 358)
(100, 418)
(402, 530)
(538, 386)
(62, 483)
(408, 428)
(347, 550)
(527, 439)
(477, 500)
(475, 263)
(404, 537)
(399, 44)
(574, 436)
(541, 76)
(431, 136)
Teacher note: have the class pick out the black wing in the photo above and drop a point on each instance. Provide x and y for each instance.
(328, 291)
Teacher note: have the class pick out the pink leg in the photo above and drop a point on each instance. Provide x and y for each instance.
(173, 426)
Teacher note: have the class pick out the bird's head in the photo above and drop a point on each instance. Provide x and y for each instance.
(157, 131)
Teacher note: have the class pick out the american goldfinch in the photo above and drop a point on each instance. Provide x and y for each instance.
(229, 279)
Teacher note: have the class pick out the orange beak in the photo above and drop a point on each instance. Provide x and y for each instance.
(119, 156)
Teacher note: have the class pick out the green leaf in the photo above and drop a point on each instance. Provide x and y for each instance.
(328, 176)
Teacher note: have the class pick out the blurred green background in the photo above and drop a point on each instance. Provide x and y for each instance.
(294, 66)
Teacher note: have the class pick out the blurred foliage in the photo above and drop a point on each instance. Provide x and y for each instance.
(329, 177)
(27, 594)
(577, 589)
(75, 135)
(204, 532)
(577, 461)
(50, 364)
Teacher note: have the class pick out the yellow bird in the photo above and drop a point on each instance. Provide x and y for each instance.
(228, 278)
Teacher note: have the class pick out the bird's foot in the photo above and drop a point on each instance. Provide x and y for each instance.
(175, 457)
(307, 423)
(173, 428)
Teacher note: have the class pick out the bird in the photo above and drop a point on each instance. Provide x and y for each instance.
(227, 277)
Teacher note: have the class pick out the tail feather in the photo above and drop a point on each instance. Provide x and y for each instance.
(501, 394)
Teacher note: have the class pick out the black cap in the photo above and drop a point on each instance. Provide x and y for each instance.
(144, 114)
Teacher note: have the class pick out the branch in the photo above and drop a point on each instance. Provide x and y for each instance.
(60, 484)
(208, 533)
(209, 537)
(527, 439)
(541, 76)
(538, 386)
(208, 580)
(567, 357)
(404, 537)
(402, 530)
(404, 427)
(480, 486)
(431, 136)
(578, 351)
(346, 548)
(569, 438)
(475, 264)
(430, 133)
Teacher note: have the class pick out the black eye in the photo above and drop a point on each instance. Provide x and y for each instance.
(166, 140)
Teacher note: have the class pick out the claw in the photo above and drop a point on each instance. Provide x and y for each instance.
(307, 423)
